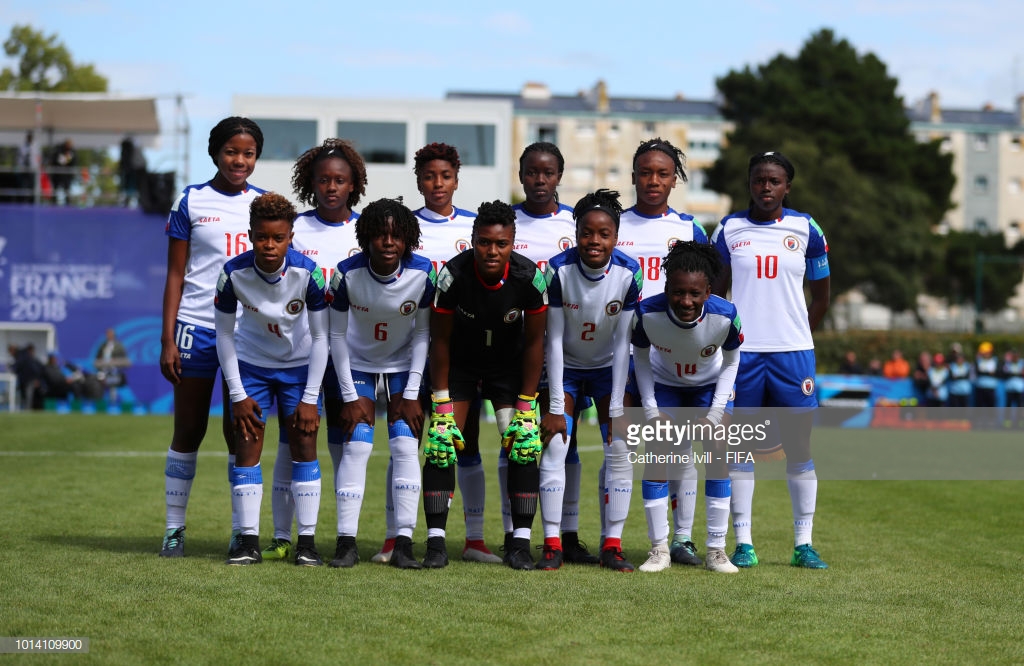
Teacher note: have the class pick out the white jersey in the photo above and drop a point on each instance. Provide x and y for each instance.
(538, 238)
(686, 354)
(273, 328)
(592, 305)
(769, 262)
(648, 240)
(381, 314)
(216, 226)
(326, 243)
(443, 237)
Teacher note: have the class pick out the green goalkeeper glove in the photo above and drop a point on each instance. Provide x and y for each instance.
(522, 437)
(443, 436)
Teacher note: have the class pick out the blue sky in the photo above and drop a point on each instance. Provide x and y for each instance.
(970, 53)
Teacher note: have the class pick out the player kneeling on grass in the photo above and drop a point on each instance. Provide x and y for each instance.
(277, 354)
(686, 352)
(380, 319)
(486, 329)
(593, 290)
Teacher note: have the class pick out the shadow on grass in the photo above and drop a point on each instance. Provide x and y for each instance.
(208, 549)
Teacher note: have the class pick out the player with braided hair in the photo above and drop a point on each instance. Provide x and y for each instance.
(200, 219)
(380, 314)
(486, 329)
(686, 351)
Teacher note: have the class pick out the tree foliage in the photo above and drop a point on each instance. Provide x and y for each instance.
(44, 64)
(953, 275)
(875, 191)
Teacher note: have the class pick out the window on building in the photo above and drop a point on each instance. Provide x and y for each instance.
(377, 142)
(981, 142)
(1015, 185)
(582, 175)
(585, 128)
(286, 139)
(544, 132)
(613, 131)
(475, 143)
(981, 184)
(614, 172)
(650, 127)
(696, 180)
(981, 225)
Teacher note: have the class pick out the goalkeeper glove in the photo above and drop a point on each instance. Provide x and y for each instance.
(522, 437)
(443, 436)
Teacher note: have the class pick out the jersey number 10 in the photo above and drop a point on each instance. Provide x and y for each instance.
(767, 266)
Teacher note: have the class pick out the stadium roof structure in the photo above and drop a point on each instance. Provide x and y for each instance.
(596, 101)
(90, 120)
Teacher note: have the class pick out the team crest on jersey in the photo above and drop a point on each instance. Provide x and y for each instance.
(511, 316)
(564, 242)
(671, 242)
(461, 245)
(294, 306)
(708, 351)
(807, 386)
(354, 251)
(613, 308)
(792, 243)
(407, 308)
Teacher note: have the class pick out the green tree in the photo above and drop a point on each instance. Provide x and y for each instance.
(44, 64)
(953, 273)
(875, 191)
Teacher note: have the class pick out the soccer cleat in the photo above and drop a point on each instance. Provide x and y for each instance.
(744, 556)
(384, 556)
(247, 552)
(279, 549)
(437, 553)
(506, 549)
(345, 553)
(612, 558)
(805, 556)
(658, 559)
(305, 556)
(551, 560)
(519, 555)
(236, 541)
(575, 551)
(717, 561)
(684, 552)
(476, 551)
(401, 555)
(174, 543)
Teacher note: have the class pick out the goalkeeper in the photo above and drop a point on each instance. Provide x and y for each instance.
(487, 330)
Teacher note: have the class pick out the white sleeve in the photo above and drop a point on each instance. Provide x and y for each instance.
(726, 380)
(556, 361)
(420, 342)
(645, 380)
(317, 356)
(620, 366)
(224, 323)
(339, 354)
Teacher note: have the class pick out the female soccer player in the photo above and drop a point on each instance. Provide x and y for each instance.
(686, 350)
(487, 329)
(277, 354)
(593, 290)
(768, 252)
(647, 231)
(208, 224)
(332, 178)
(380, 323)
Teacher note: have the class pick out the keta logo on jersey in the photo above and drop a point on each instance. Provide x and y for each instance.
(613, 308)
(407, 308)
(807, 386)
(709, 351)
(294, 306)
(511, 316)
(792, 243)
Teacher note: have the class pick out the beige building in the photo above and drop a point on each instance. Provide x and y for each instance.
(598, 134)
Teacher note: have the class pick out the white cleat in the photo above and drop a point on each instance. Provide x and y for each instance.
(477, 555)
(717, 560)
(658, 559)
(384, 556)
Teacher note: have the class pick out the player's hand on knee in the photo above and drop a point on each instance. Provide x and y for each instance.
(443, 435)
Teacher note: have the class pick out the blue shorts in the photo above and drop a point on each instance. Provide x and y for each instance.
(593, 383)
(284, 386)
(776, 379)
(366, 383)
(331, 387)
(197, 348)
(687, 396)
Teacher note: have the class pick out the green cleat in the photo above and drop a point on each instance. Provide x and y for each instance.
(174, 543)
(279, 549)
(805, 556)
(744, 556)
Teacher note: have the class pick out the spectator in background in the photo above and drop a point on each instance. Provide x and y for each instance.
(850, 366)
(26, 169)
(59, 384)
(896, 367)
(111, 360)
(960, 377)
(938, 382)
(986, 371)
(63, 160)
(28, 373)
(1012, 372)
(131, 169)
(875, 367)
(920, 377)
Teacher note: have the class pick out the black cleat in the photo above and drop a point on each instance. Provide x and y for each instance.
(575, 551)
(437, 553)
(401, 555)
(684, 552)
(611, 558)
(306, 555)
(345, 554)
(174, 543)
(247, 551)
(550, 560)
(519, 555)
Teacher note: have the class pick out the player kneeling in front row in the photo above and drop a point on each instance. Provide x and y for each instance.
(686, 352)
(487, 329)
(380, 318)
(593, 290)
(277, 354)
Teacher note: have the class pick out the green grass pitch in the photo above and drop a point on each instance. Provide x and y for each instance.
(921, 571)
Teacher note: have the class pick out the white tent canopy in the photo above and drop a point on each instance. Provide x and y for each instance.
(90, 120)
